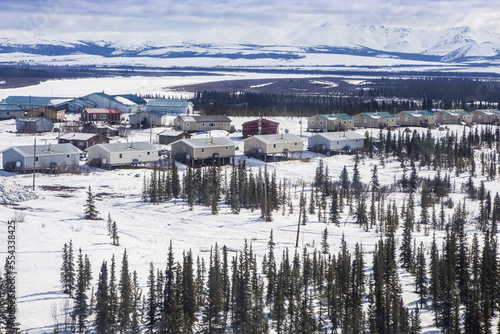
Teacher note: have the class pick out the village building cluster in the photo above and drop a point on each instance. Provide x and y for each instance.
(103, 117)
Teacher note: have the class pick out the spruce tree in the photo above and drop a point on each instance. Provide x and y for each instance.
(81, 308)
(125, 288)
(102, 318)
(90, 209)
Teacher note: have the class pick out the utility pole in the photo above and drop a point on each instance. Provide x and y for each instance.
(34, 164)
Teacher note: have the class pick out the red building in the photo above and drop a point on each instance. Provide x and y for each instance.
(109, 115)
(260, 126)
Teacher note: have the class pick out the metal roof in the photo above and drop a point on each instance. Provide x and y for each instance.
(277, 138)
(488, 112)
(204, 142)
(265, 120)
(77, 136)
(125, 147)
(10, 107)
(345, 135)
(213, 118)
(334, 117)
(455, 112)
(376, 115)
(31, 100)
(418, 113)
(174, 103)
(44, 150)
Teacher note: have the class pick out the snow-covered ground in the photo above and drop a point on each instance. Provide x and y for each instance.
(145, 230)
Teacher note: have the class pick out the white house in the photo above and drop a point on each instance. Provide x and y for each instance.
(53, 157)
(10, 111)
(203, 149)
(271, 145)
(334, 141)
(122, 154)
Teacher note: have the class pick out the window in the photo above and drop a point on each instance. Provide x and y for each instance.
(357, 120)
(202, 150)
(227, 147)
(212, 125)
(36, 159)
(102, 116)
(312, 122)
(444, 117)
(94, 116)
(320, 122)
(338, 143)
(67, 156)
(148, 153)
(274, 145)
(187, 125)
(121, 155)
(345, 122)
(406, 119)
(366, 121)
(203, 124)
(479, 117)
(296, 144)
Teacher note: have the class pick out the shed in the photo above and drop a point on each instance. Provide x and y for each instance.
(259, 126)
(82, 140)
(109, 115)
(204, 150)
(122, 154)
(262, 146)
(335, 141)
(10, 110)
(51, 157)
(167, 137)
(33, 125)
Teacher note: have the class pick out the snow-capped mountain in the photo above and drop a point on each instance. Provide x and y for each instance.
(459, 44)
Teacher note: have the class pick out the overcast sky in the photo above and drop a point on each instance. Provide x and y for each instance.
(146, 19)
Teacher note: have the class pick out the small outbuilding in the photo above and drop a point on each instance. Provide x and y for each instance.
(34, 125)
(330, 142)
(122, 154)
(47, 158)
(259, 126)
(167, 137)
(203, 150)
(82, 140)
(265, 146)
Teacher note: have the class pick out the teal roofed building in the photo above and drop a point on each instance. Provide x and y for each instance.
(30, 102)
(330, 122)
(453, 116)
(416, 118)
(486, 116)
(382, 119)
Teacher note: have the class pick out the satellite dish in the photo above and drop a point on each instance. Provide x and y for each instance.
(286, 131)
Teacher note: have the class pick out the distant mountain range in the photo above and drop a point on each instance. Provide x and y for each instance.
(453, 45)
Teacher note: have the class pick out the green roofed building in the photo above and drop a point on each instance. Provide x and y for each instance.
(330, 122)
(382, 119)
(416, 118)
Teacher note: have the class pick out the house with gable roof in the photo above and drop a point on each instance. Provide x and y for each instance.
(416, 118)
(453, 116)
(264, 146)
(330, 122)
(379, 119)
(197, 123)
(170, 106)
(329, 142)
(485, 116)
(122, 154)
(82, 140)
(203, 150)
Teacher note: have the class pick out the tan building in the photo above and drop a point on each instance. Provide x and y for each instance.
(485, 116)
(455, 116)
(377, 120)
(272, 145)
(416, 118)
(48, 112)
(330, 122)
(202, 123)
(203, 150)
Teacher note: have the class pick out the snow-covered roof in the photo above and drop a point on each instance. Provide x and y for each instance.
(170, 133)
(455, 112)
(277, 138)
(125, 147)
(378, 115)
(212, 118)
(43, 150)
(124, 101)
(345, 135)
(77, 136)
(10, 107)
(334, 117)
(488, 112)
(417, 113)
(204, 142)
